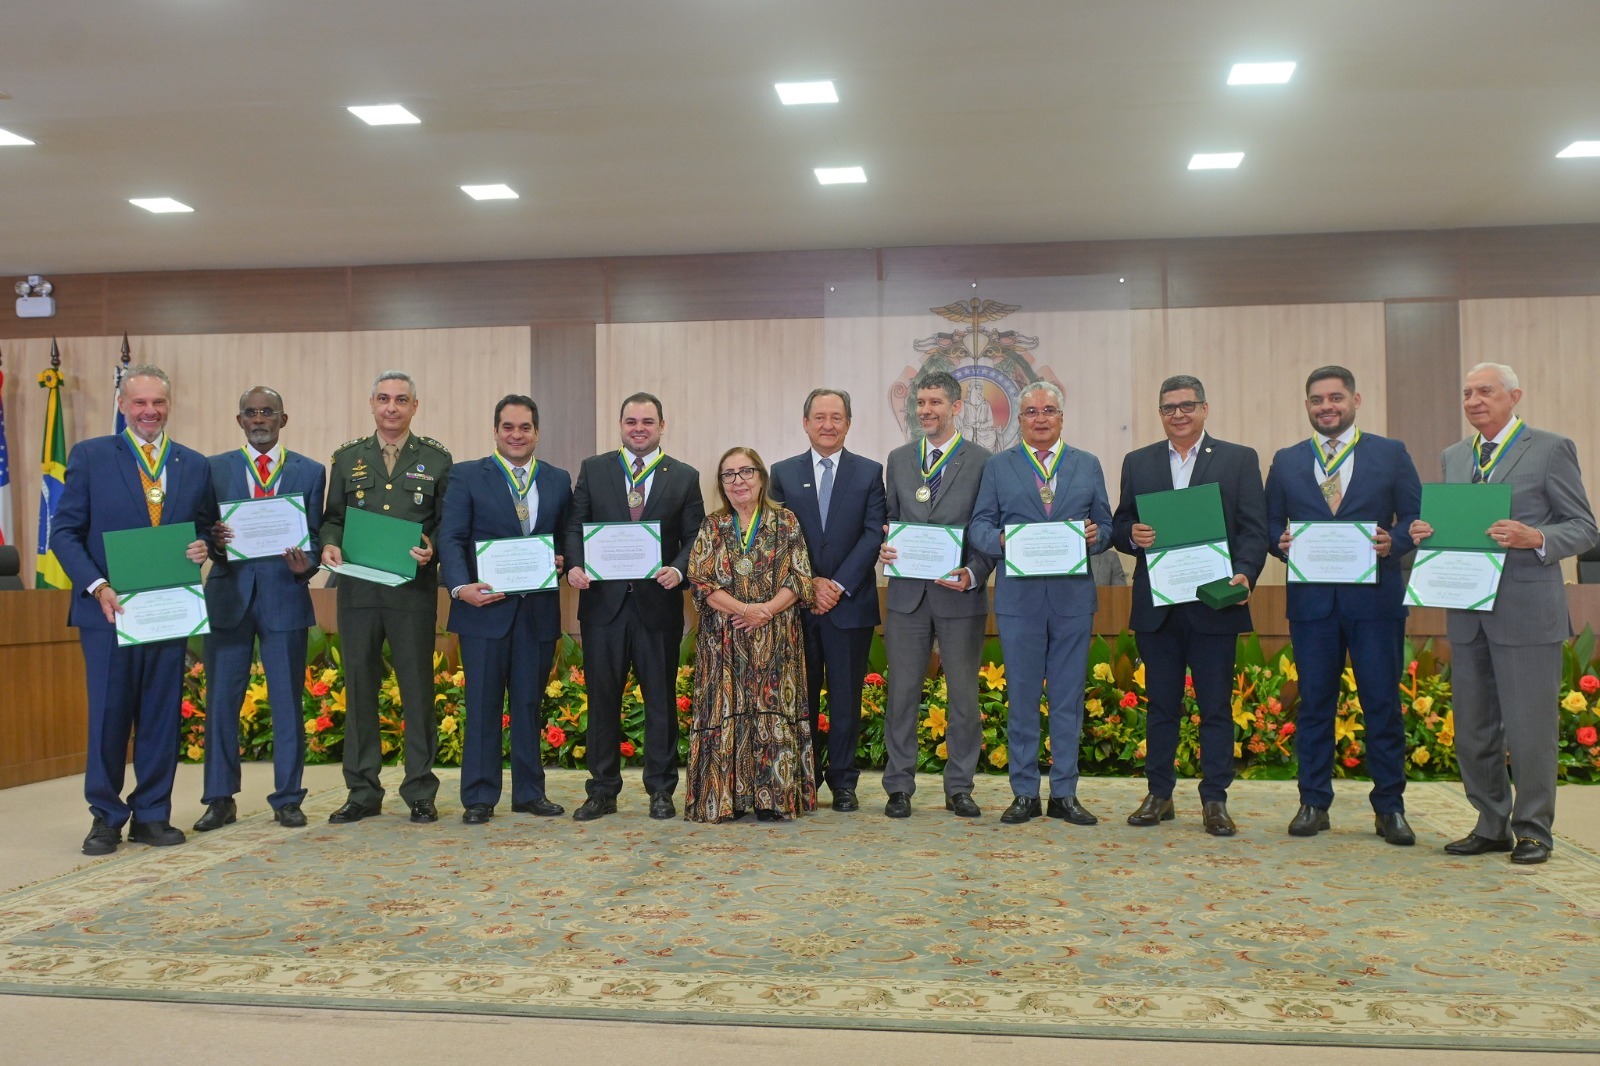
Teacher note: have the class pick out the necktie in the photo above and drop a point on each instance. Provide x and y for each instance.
(638, 468)
(1485, 452)
(1330, 484)
(933, 483)
(1044, 461)
(825, 490)
(263, 471)
(391, 455)
(522, 507)
(152, 504)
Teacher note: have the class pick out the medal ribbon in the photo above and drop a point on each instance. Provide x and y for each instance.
(749, 535)
(268, 486)
(627, 471)
(1485, 469)
(506, 469)
(152, 470)
(1039, 471)
(1328, 469)
(929, 475)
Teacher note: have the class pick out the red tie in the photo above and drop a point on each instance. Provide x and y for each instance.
(263, 465)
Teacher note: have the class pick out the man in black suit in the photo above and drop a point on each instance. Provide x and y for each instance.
(838, 497)
(633, 623)
(508, 640)
(1190, 637)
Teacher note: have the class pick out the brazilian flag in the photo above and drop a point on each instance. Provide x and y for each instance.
(53, 459)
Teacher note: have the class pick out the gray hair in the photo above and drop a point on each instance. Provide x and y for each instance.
(1049, 388)
(815, 393)
(939, 379)
(1508, 377)
(1178, 382)
(144, 370)
(394, 375)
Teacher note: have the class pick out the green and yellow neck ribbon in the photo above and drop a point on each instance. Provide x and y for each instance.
(1329, 469)
(268, 487)
(748, 536)
(635, 480)
(950, 449)
(1485, 469)
(152, 469)
(511, 478)
(1040, 471)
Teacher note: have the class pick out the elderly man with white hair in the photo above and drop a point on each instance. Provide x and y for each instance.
(1506, 662)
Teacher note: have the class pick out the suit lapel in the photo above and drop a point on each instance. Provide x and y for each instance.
(657, 490)
(1202, 462)
(1503, 469)
(808, 501)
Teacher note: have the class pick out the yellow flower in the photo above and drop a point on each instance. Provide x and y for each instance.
(1345, 727)
(1421, 756)
(1422, 704)
(1102, 672)
(943, 750)
(254, 696)
(937, 721)
(1138, 752)
(1574, 702)
(997, 757)
(553, 689)
(1287, 668)
(196, 751)
(438, 661)
(311, 727)
(1094, 708)
(328, 676)
(1447, 731)
(994, 674)
(1348, 680)
(447, 724)
(578, 752)
(1241, 717)
(1138, 677)
(458, 678)
(1238, 750)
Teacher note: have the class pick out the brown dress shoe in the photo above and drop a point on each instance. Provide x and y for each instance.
(1152, 811)
(1215, 816)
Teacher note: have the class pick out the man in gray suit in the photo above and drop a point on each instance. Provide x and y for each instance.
(1045, 622)
(935, 481)
(1507, 662)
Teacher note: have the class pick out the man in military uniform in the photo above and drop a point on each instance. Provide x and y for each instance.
(393, 472)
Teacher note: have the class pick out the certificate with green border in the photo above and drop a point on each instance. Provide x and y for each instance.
(517, 564)
(266, 527)
(152, 615)
(1191, 545)
(928, 552)
(621, 551)
(1459, 580)
(1046, 549)
(1333, 553)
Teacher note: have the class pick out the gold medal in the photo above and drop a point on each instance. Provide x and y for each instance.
(744, 566)
(1047, 495)
(1330, 488)
(361, 494)
(636, 499)
(522, 512)
(154, 494)
(924, 494)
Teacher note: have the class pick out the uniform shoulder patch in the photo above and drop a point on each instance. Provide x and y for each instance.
(349, 444)
(430, 442)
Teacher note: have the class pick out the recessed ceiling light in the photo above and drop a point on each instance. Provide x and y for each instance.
(160, 205)
(1260, 73)
(1579, 150)
(806, 92)
(490, 192)
(384, 115)
(840, 175)
(7, 137)
(1215, 160)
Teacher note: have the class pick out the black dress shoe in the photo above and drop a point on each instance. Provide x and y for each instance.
(962, 805)
(1530, 852)
(1473, 844)
(661, 807)
(424, 811)
(540, 806)
(766, 814)
(1068, 809)
(1214, 816)
(353, 812)
(1022, 809)
(290, 816)
(899, 805)
(1308, 821)
(595, 807)
(1153, 810)
(1395, 829)
(477, 814)
(218, 814)
(156, 834)
(844, 800)
(102, 839)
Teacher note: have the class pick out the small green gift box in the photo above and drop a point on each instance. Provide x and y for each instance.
(1221, 593)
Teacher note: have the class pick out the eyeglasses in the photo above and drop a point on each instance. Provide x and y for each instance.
(1188, 407)
(259, 412)
(744, 473)
(1037, 412)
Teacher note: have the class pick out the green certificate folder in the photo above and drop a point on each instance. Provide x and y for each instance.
(151, 557)
(381, 542)
(1182, 517)
(1462, 514)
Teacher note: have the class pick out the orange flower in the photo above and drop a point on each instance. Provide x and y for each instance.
(627, 749)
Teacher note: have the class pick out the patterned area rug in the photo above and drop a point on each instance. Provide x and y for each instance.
(852, 921)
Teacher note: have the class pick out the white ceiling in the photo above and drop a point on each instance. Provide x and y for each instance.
(651, 126)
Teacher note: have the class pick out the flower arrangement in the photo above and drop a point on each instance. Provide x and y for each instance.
(1265, 700)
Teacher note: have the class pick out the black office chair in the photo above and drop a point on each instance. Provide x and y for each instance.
(10, 567)
(1589, 567)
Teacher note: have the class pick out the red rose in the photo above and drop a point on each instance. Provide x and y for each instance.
(323, 723)
(874, 679)
(1351, 762)
(822, 723)
(683, 703)
(319, 689)
(1589, 684)
(188, 709)
(1588, 736)
(1286, 729)
(627, 749)
(1130, 699)
(1188, 681)
(555, 736)
(505, 721)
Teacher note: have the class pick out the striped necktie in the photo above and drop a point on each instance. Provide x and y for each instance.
(933, 482)
(1485, 453)
(1330, 486)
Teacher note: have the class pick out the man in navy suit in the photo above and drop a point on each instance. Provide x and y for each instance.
(1045, 622)
(508, 639)
(1190, 637)
(135, 479)
(633, 623)
(838, 497)
(1342, 474)
(265, 599)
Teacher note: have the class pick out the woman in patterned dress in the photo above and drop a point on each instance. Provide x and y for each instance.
(750, 737)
